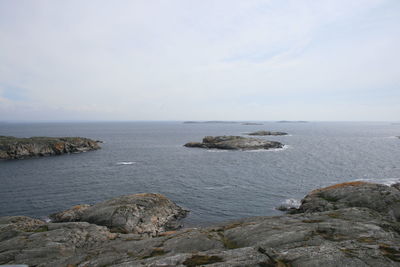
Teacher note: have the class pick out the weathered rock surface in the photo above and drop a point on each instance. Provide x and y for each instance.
(234, 143)
(377, 197)
(396, 186)
(262, 133)
(148, 214)
(19, 148)
(358, 234)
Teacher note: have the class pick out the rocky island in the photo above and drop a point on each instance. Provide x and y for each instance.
(251, 123)
(20, 148)
(234, 143)
(349, 224)
(292, 121)
(262, 133)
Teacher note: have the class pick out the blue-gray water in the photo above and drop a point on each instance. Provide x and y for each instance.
(215, 186)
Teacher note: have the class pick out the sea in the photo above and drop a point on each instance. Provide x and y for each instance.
(214, 185)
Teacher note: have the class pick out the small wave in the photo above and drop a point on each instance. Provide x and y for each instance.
(385, 181)
(46, 219)
(213, 150)
(126, 163)
(269, 150)
(288, 204)
(217, 187)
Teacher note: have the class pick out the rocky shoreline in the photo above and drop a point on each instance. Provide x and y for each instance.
(234, 143)
(21, 148)
(349, 224)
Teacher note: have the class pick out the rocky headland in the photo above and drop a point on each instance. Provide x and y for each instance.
(263, 133)
(234, 143)
(20, 148)
(350, 224)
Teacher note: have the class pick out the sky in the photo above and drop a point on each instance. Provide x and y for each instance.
(328, 60)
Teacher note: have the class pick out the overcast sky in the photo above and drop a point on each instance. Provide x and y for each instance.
(200, 60)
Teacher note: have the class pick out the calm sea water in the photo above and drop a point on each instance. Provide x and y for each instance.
(216, 186)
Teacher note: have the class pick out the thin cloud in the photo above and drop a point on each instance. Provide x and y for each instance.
(155, 60)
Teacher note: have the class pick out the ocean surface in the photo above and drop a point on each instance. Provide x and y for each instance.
(214, 185)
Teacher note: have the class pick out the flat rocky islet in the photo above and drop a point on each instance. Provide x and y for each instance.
(21, 148)
(234, 143)
(292, 121)
(251, 123)
(349, 224)
(211, 122)
(223, 122)
(264, 133)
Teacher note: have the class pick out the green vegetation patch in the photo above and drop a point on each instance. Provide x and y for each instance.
(43, 228)
(156, 252)
(197, 260)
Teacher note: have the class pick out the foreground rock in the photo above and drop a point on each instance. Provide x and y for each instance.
(234, 143)
(148, 214)
(376, 197)
(354, 235)
(19, 148)
(262, 133)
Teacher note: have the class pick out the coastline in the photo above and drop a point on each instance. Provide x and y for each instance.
(348, 224)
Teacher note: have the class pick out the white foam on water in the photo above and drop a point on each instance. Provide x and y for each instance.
(290, 203)
(46, 219)
(214, 150)
(218, 187)
(268, 150)
(385, 181)
(125, 163)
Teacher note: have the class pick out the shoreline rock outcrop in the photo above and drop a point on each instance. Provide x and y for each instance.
(335, 226)
(21, 148)
(234, 143)
(262, 133)
(377, 197)
(148, 214)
